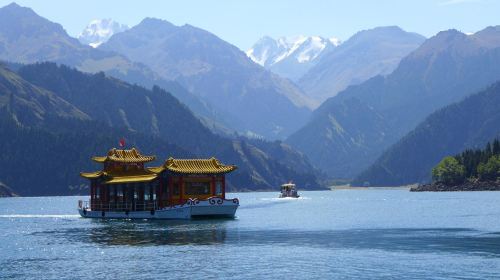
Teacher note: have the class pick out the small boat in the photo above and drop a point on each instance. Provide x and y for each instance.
(288, 190)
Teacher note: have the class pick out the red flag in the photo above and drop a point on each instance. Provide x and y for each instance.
(122, 142)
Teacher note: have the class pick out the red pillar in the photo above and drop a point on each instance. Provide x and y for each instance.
(159, 193)
(212, 186)
(170, 190)
(223, 186)
(181, 189)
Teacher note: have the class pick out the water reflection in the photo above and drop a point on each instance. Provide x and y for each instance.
(143, 233)
(211, 232)
(451, 240)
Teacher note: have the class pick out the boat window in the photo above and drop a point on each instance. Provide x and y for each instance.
(154, 189)
(136, 191)
(146, 193)
(112, 193)
(197, 188)
(97, 192)
(119, 191)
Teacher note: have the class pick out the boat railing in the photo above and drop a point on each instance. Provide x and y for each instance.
(118, 206)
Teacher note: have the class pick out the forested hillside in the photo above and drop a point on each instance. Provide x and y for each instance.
(464, 125)
(67, 110)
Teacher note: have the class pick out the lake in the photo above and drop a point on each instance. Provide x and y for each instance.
(343, 234)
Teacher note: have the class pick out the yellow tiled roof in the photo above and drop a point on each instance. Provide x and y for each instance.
(193, 166)
(129, 156)
(131, 179)
(91, 175)
(156, 170)
(122, 177)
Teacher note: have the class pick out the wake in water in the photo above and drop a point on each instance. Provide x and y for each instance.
(38, 216)
(283, 199)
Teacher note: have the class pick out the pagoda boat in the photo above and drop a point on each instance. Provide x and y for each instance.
(178, 189)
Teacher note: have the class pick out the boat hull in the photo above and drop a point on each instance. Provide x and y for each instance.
(215, 207)
(210, 208)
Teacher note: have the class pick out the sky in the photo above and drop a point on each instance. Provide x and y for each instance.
(243, 22)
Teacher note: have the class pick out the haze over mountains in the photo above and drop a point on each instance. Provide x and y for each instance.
(374, 94)
(109, 108)
(353, 128)
(323, 67)
(291, 57)
(252, 99)
(56, 101)
(25, 37)
(366, 54)
(470, 123)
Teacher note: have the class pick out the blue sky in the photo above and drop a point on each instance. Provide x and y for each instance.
(242, 22)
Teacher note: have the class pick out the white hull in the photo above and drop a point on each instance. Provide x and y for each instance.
(212, 207)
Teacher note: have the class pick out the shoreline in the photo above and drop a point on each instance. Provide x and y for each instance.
(348, 187)
(463, 187)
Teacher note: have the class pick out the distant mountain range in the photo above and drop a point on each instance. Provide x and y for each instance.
(471, 123)
(183, 89)
(365, 55)
(99, 31)
(291, 57)
(352, 129)
(250, 98)
(74, 115)
(25, 37)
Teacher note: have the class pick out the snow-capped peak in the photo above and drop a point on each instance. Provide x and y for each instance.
(99, 31)
(335, 41)
(302, 49)
(291, 56)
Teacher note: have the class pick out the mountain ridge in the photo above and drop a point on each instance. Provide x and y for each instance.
(21, 41)
(469, 123)
(217, 72)
(366, 54)
(158, 115)
(290, 57)
(453, 66)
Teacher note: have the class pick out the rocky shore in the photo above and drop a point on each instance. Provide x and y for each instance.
(464, 187)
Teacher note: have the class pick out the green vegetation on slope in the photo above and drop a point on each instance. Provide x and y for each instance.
(471, 165)
(468, 124)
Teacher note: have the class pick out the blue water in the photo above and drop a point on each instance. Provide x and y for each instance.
(348, 234)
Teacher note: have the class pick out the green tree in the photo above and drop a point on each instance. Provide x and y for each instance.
(449, 171)
(489, 170)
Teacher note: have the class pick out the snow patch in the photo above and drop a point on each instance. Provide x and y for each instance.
(98, 31)
(302, 49)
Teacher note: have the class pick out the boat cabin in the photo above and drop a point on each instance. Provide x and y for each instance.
(288, 190)
(126, 184)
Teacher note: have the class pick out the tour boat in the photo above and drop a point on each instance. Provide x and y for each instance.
(178, 189)
(288, 190)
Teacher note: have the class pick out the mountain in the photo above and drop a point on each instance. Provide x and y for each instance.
(99, 31)
(366, 54)
(25, 37)
(47, 160)
(253, 99)
(352, 129)
(290, 57)
(53, 139)
(470, 123)
(161, 117)
(31, 105)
